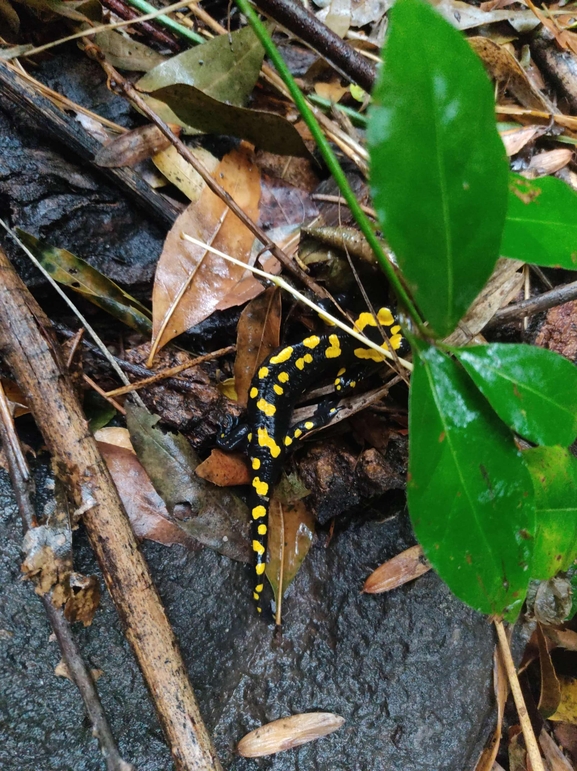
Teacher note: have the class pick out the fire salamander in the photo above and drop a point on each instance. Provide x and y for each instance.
(276, 387)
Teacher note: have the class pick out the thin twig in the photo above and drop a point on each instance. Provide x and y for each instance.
(150, 29)
(524, 720)
(23, 487)
(557, 296)
(103, 393)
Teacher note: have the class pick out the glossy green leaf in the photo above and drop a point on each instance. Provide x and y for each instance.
(438, 166)
(533, 390)
(554, 473)
(541, 224)
(266, 130)
(470, 495)
(79, 275)
(226, 68)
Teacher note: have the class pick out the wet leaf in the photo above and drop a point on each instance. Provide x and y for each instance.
(532, 390)
(472, 512)
(567, 709)
(132, 147)
(225, 68)
(291, 532)
(212, 515)
(9, 22)
(225, 469)
(554, 474)
(265, 130)
(84, 599)
(406, 566)
(550, 695)
(190, 282)
(288, 732)
(125, 53)
(77, 274)
(439, 192)
(145, 508)
(180, 172)
(554, 756)
(258, 334)
(541, 224)
(98, 410)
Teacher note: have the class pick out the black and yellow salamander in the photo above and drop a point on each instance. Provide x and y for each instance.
(276, 387)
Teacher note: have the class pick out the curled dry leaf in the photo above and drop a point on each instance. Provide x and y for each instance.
(258, 334)
(550, 689)
(132, 147)
(288, 732)
(548, 162)
(553, 754)
(406, 566)
(191, 282)
(516, 139)
(225, 469)
(180, 172)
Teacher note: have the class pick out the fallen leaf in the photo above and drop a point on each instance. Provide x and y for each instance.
(548, 162)
(555, 758)
(288, 732)
(190, 282)
(567, 710)
(550, 695)
(115, 435)
(132, 147)
(180, 172)
(406, 566)
(257, 335)
(84, 599)
(225, 469)
(516, 139)
(465, 16)
(125, 53)
(487, 758)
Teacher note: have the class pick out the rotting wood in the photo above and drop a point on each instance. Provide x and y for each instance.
(69, 132)
(51, 397)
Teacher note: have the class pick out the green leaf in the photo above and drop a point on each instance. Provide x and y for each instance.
(77, 274)
(470, 495)
(438, 166)
(534, 391)
(226, 68)
(541, 224)
(213, 515)
(554, 473)
(266, 130)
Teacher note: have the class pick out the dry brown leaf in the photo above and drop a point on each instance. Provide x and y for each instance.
(486, 760)
(258, 334)
(145, 508)
(190, 282)
(550, 689)
(567, 709)
(180, 172)
(84, 599)
(288, 732)
(133, 146)
(225, 469)
(565, 39)
(406, 566)
(505, 69)
(563, 638)
(333, 90)
(516, 139)
(119, 437)
(548, 162)
(249, 287)
(555, 758)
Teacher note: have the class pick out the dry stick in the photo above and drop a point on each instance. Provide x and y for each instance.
(65, 130)
(54, 404)
(23, 487)
(169, 372)
(304, 24)
(557, 296)
(526, 727)
(149, 28)
(126, 89)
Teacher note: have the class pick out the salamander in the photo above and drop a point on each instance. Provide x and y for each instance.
(276, 387)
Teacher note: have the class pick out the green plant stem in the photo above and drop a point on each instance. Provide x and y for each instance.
(356, 118)
(331, 162)
(167, 22)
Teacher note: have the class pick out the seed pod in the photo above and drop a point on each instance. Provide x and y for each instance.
(288, 732)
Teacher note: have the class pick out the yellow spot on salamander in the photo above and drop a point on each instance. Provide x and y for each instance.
(282, 356)
(396, 341)
(258, 511)
(353, 384)
(249, 437)
(259, 610)
(368, 353)
(385, 317)
(395, 330)
(300, 363)
(334, 348)
(283, 377)
(257, 547)
(260, 487)
(263, 372)
(309, 425)
(279, 390)
(253, 393)
(298, 433)
(255, 463)
(288, 441)
(265, 440)
(311, 342)
(255, 596)
(341, 371)
(264, 406)
(259, 587)
(260, 568)
(365, 320)
(262, 529)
